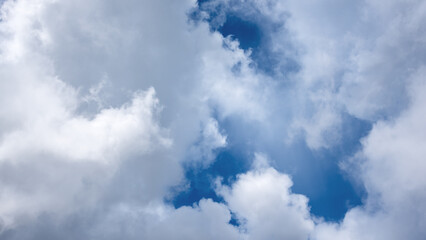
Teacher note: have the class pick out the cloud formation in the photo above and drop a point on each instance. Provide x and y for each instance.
(104, 103)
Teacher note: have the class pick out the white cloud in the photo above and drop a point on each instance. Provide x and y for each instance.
(392, 169)
(265, 206)
(54, 159)
(58, 155)
(365, 59)
(261, 200)
(211, 139)
(62, 158)
(355, 58)
(112, 132)
(207, 220)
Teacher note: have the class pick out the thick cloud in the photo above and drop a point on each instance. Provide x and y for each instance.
(367, 60)
(392, 167)
(354, 58)
(261, 201)
(265, 206)
(364, 59)
(101, 103)
(65, 146)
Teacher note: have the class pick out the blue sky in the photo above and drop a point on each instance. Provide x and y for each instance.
(330, 192)
(213, 119)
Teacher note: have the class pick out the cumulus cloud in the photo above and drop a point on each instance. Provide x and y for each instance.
(58, 157)
(102, 103)
(392, 168)
(266, 207)
(64, 159)
(210, 140)
(371, 66)
(206, 220)
(60, 145)
(365, 59)
(354, 58)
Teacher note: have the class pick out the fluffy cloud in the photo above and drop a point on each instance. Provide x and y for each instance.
(354, 58)
(101, 103)
(265, 206)
(371, 66)
(50, 151)
(83, 135)
(261, 201)
(365, 59)
(57, 154)
(391, 166)
(206, 220)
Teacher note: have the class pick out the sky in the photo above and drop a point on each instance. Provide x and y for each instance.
(212, 119)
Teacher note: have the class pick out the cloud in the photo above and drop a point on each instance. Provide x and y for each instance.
(365, 59)
(114, 131)
(56, 157)
(265, 206)
(211, 139)
(102, 103)
(63, 159)
(54, 160)
(261, 201)
(354, 59)
(391, 167)
(206, 220)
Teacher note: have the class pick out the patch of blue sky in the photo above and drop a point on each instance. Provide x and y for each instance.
(315, 173)
(227, 165)
(247, 33)
(253, 31)
(252, 38)
(330, 190)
